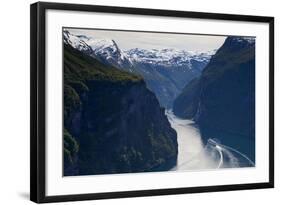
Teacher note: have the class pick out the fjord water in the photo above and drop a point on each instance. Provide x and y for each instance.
(194, 155)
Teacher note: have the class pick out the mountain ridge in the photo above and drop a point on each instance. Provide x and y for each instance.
(165, 71)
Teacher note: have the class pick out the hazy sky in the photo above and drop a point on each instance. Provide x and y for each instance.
(127, 40)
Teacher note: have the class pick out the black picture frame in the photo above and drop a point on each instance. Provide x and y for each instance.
(38, 100)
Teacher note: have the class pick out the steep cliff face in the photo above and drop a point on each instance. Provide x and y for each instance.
(222, 100)
(166, 81)
(186, 104)
(113, 123)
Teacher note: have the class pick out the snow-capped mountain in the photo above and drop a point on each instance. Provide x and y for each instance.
(165, 71)
(76, 42)
(105, 50)
(168, 57)
(108, 52)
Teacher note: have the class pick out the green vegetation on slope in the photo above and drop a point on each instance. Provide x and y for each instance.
(80, 68)
(108, 118)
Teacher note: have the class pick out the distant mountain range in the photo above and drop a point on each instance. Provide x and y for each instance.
(168, 57)
(165, 71)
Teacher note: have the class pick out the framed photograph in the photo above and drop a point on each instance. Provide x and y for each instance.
(129, 102)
